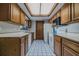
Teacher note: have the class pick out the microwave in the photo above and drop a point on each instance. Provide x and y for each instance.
(57, 21)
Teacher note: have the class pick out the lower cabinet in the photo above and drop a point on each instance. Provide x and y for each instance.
(14, 46)
(24, 45)
(65, 47)
(70, 48)
(32, 37)
(68, 52)
(58, 45)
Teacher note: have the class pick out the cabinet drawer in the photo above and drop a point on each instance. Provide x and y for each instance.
(71, 44)
(69, 52)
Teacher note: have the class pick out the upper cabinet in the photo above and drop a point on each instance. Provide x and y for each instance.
(69, 13)
(59, 13)
(15, 13)
(53, 18)
(29, 23)
(65, 13)
(22, 18)
(12, 12)
(4, 11)
(75, 11)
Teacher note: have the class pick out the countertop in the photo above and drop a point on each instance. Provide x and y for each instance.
(9, 29)
(14, 34)
(71, 36)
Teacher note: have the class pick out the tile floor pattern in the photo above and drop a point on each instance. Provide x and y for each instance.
(39, 48)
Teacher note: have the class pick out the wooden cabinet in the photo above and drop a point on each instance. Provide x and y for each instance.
(70, 48)
(50, 21)
(68, 52)
(22, 46)
(66, 13)
(15, 13)
(32, 37)
(75, 11)
(11, 12)
(29, 23)
(22, 18)
(4, 12)
(59, 13)
(69, 13)
(14, 46)
(58, 45)
(65, 47)
(53, 18)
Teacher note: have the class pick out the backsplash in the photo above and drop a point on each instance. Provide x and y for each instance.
(61, 29)
(4, 26)
(71, 28)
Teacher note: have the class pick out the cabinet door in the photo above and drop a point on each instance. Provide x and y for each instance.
(57, 45)
(4, 11)
(58, 14)
(68, 51)
(22, 46)
(51, 20)
(9, 47)
(65, 13)
(75, 11)
(26, 45)
(70, 47)
(15, 13)
(55, 16)
(22, 18)
(29, 23)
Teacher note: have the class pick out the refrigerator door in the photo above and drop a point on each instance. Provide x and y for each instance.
(46, 32)
(49, 35)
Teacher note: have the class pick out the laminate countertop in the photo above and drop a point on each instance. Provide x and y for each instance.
(14, 34)
(71, 36)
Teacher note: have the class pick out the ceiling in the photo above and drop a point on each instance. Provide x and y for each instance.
(38, 12)
(40, 9)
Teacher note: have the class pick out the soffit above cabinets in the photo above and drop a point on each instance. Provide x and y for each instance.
(40, 9)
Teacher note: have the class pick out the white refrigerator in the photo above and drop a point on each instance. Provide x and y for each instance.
(49, 35)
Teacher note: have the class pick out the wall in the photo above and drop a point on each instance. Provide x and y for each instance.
(8, 27)
(33, 28)
(71, 28)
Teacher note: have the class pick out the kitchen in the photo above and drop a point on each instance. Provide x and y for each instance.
(40, 28)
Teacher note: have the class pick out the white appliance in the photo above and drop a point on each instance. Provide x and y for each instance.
(49, 35)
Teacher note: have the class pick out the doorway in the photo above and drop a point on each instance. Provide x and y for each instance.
(39, 30)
